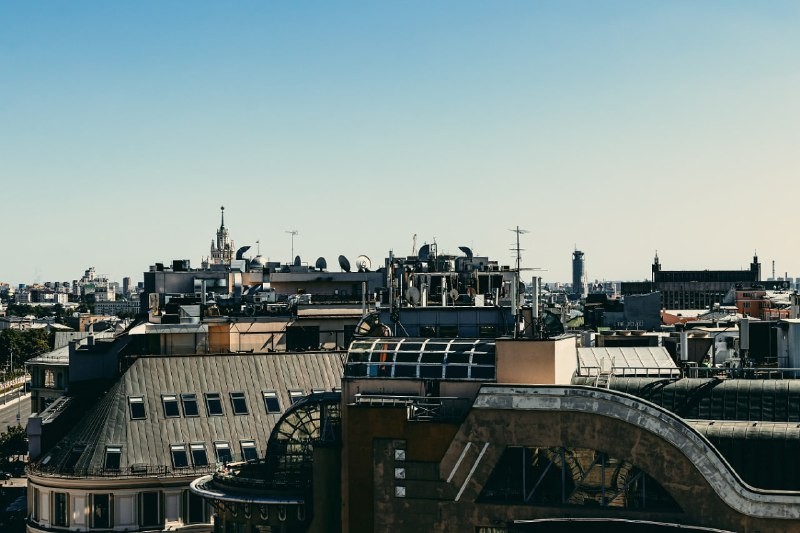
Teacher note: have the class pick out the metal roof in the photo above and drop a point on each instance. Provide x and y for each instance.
(761, 400)
(626, 361)
(145, 443)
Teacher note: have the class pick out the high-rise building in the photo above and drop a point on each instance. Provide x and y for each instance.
(578, 274)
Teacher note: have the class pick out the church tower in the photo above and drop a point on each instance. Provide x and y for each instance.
(222, 249)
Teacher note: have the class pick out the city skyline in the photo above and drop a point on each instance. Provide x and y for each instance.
(617, 128)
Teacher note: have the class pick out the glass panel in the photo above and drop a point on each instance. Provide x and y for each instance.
(60, 509)
(170, 402)
(457, 371)
(113, 454)
(213, 404)
(189, 405)
(296, 395)
(239, 403)
(179, 457)
(199, 456)
(149, 513)
(223, 452)
(271, 401)
(136, 404)
(101, 511)
(249, 452)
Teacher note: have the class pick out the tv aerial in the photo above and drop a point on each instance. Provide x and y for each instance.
(344, 264)
(363, 263)
(321, 264)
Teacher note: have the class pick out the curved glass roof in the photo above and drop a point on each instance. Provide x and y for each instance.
(422, 358)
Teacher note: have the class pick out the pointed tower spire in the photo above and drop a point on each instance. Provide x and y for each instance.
(222, 210)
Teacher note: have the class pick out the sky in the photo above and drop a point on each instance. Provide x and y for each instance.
(617, 127)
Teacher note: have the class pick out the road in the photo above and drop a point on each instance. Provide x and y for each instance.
(9, 406)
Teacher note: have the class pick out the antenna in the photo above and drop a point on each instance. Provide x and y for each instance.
(414, 245)
(292, 232)
(466, 251)
(516, 248)
(258, 245)
(344, 264)
(321, 264)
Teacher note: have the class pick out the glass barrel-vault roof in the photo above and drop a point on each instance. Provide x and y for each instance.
(422, 358)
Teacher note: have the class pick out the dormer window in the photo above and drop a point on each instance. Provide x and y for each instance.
(136, 405)
(170, 402)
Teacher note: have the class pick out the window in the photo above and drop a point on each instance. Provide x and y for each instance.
(49, 379)
(170, 402)
(73, 457)
(195, 508)
(199, 456)
(36, 497)
(101, 511)
(249, 452)
(317, 391)
(179, 457)
(136, 404)
(149, 509)
(223, 452)
(295, 396)
(271, 401)
(189, 402)
(213, 404)
(239, 403)
(60, 509)
(113, 455)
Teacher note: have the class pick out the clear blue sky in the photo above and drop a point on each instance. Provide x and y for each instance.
(616, 127)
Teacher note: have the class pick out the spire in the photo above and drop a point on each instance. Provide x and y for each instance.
(222, 210)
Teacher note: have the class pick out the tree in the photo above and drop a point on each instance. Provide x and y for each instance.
(13, 442)
(23, 345)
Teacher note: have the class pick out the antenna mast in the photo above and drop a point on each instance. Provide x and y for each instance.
(292, 232)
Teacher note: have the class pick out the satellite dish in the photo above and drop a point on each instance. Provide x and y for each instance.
(412, 295)
(321, 264)
(466, 251)
(363, 263)
(454, 294)
(344, 263)
(240, 252)
(424, 252)
(297, 260)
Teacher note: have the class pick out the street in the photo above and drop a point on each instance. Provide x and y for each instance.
(10, 404)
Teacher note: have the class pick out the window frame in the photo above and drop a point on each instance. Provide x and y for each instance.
(179, 448)
(109, 519)
(222, 445)
(295, 395)
(198, 447)
(191, 399)
(238, 401)
(142, 505)
(170, 399)
(216, 397)
(248, 444)
(112, 449)
(137, 400)
(268, 395)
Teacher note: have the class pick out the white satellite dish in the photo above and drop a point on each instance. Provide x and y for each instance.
(363, 264)
(454, 294)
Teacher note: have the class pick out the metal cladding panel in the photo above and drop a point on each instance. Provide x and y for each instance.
(715, 399)
(147, 441)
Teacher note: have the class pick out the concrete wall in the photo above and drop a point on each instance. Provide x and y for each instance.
(536, 361)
